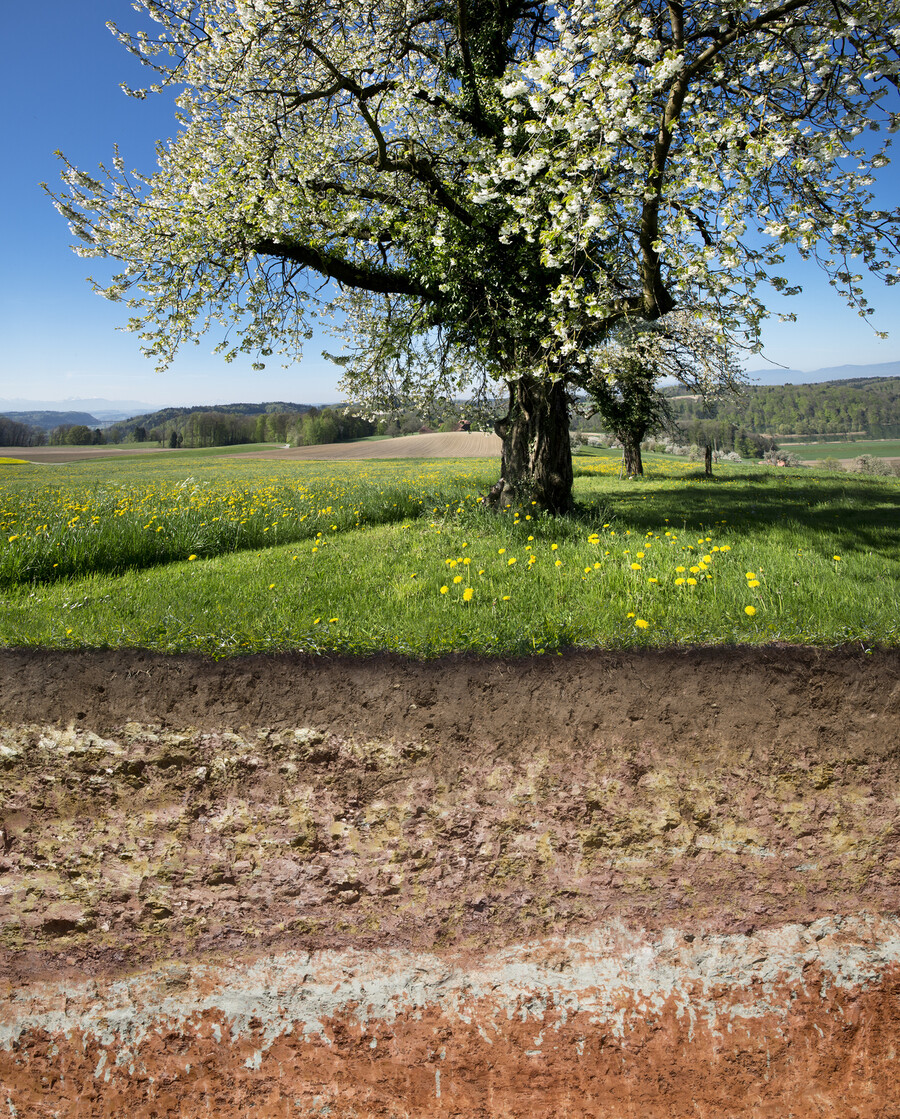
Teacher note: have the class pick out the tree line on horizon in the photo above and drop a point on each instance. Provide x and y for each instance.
(749, 424)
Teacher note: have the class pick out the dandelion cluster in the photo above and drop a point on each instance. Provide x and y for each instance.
(155, 514)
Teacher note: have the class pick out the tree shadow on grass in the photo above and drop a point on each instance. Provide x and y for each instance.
(856, 514)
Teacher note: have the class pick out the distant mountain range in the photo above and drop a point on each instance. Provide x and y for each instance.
(96, 408)
(833, 373)
(100, 411)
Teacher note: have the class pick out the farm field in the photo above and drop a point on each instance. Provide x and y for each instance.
(227, 555)
(450, 444)
(57, 455)
(881, 448)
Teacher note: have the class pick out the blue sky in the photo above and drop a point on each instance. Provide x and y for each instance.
(60, 90)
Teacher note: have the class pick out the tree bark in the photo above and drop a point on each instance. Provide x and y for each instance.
(632, 463)
(536, 464)
(707, 459)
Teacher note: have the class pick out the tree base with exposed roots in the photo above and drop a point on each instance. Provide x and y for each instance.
(536, 463)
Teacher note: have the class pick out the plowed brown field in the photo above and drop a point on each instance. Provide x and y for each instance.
(453, 444)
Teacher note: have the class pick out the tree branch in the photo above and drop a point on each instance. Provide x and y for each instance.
(335, 267)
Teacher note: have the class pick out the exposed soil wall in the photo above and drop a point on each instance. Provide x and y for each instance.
(633, 884)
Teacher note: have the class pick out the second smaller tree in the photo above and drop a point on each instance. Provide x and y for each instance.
(627, 372)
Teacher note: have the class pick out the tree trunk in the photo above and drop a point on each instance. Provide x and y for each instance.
(536, 464)
(632, 463)
(707, 459)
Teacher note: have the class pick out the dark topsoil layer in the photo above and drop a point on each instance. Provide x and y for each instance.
(755, 693)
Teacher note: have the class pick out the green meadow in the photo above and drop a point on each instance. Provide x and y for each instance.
(880, 448)
(208, 553)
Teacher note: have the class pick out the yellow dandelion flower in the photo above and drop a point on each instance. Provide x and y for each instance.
(630, 614)
(553, 547)
(651, 580)
(838, 558)
(191, 558)
(681, 570)
(692, 582)
(753, 582)
(444, 589)
(640, 555)
(500, 551)
(559, 563)
(332, 619)
(749, 611)
(468, 594)
(511, 561)
(679, 582)
(640, 623)
(271, 586)
(506, 598)
(635, 567)
(751, 575)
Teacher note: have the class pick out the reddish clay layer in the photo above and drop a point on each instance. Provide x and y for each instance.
(828, 1057)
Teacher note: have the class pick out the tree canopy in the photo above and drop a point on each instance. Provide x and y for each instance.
(493, 191)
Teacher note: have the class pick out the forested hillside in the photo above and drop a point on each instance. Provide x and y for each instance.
(14, 433)
(868, 406)
(231, 424)
(48, 420)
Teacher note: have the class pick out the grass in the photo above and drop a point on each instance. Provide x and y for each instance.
(881, 448)
(210, 554)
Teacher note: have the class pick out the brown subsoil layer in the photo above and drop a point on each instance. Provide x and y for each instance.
(653, 884)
